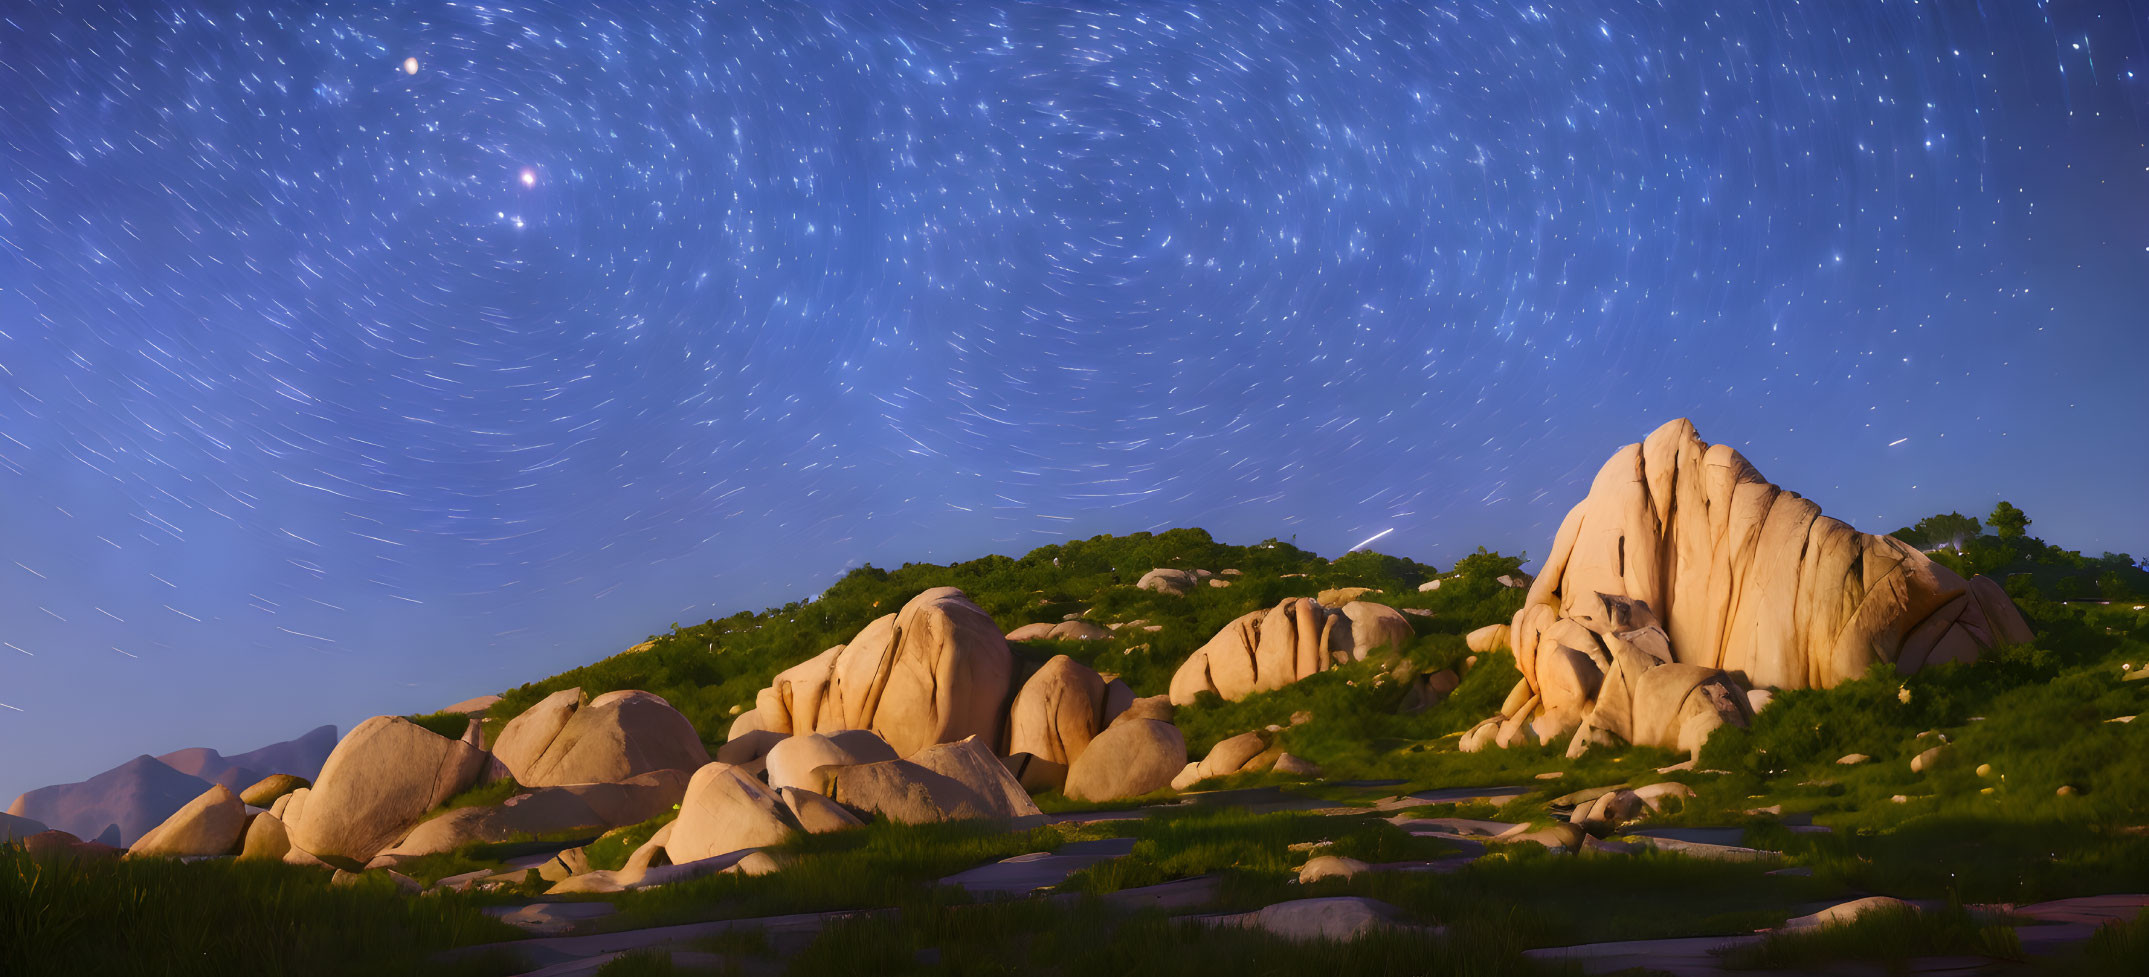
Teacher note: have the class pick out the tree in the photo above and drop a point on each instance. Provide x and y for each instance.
(1950, 529)
(1489, 566)
(2007, 521)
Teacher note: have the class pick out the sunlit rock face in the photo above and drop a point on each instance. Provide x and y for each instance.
(1682, 554)
(935, 672)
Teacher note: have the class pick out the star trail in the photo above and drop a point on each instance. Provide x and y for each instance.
(359, 358)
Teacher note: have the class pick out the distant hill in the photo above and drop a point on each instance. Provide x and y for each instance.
(139, 794)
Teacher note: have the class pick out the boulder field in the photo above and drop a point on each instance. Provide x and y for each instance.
(1679, 595)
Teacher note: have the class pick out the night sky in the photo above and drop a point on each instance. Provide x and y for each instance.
(358, 358)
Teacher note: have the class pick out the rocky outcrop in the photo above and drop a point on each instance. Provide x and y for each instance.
(1684, 578)
(567, 739)
(208, 825)
(1264, 650)
(1128, 759)
(1236, 754)
(1059, 631)
(948, 782)
(379, 781)
(1376, 626)
(1178, 583)
(934, 672)
(1063, 706)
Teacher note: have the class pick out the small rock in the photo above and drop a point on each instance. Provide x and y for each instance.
(1296, 766)
(1551, 775)
(1984, 770)
(2066, 790)
(1853, 759)
(1338, 919)
(1301, 717)
(1330, 867)
(1929, 759)
(1900, 799)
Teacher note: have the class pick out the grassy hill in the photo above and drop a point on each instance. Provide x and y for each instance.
(712, 670)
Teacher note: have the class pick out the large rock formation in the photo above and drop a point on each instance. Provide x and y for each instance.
(1264, 650)
(566, 739)
(934, 672)
(379, 781)
(1684, 577)
(948, 782)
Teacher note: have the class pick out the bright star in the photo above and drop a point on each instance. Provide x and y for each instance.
(529, 177)
(410, 66)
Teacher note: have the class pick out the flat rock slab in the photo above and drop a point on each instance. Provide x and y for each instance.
(1096, 817)
(784, 933)
(686, 959)
(1719, 837)
(1464, 795)
(1178, 895)
(1256, 800)
(1720, 853)
(2086, 909)
(550, 918)
(1024, 874)
(1454, 827)
(1693, 956)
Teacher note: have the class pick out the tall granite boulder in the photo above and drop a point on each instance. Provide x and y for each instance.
(1685, 578)
(380, 780)
(934, 672)
(567, 739)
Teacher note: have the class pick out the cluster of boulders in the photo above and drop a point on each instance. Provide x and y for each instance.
(1249, 752)
(917, 719)
(1165, 580)
(1265, 650)
(1685, 586)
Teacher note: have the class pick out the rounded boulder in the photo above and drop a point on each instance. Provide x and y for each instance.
(1130, 759)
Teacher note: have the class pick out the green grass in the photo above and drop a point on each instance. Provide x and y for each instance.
(167, 918)
(882, 864)
(2117, 950)
(611, 850)
(482, 795)
(491, 856)
(449, 724)
(647, 963)
(1180, 844)
(1889, 935)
